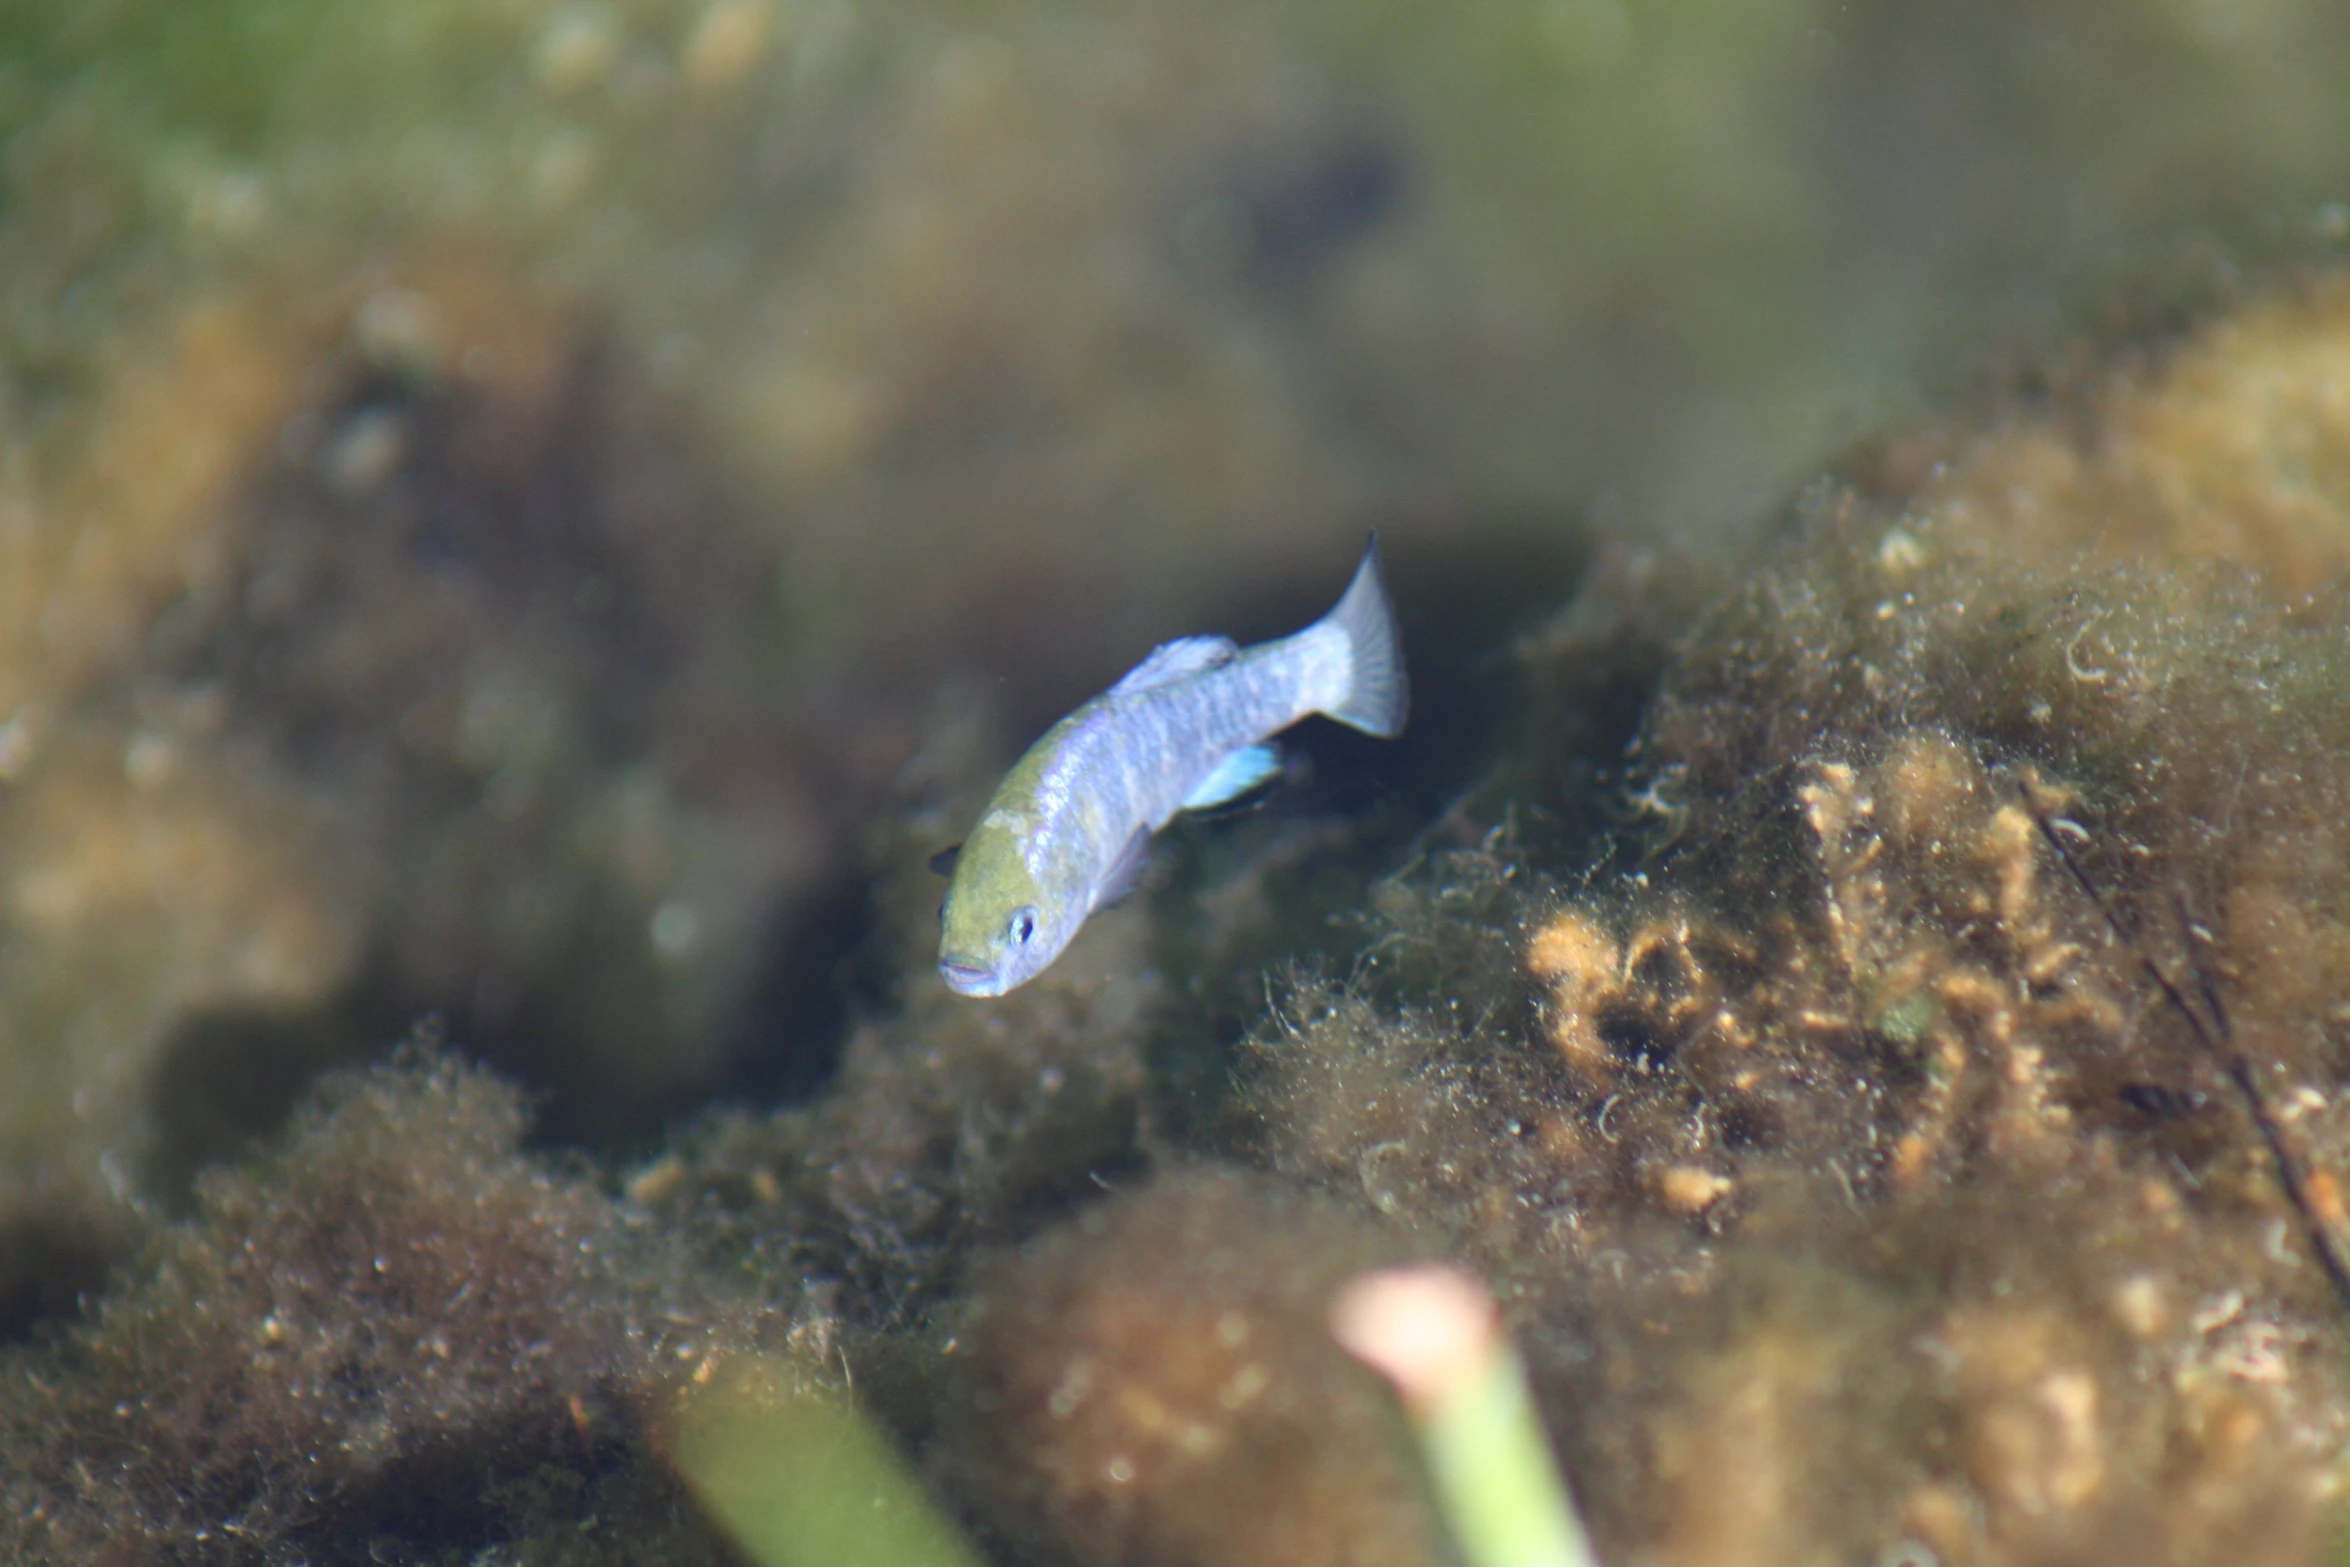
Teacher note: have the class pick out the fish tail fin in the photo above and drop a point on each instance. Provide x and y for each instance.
(1377, 696)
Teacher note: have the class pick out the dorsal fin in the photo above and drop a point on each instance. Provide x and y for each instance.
(1171, 661)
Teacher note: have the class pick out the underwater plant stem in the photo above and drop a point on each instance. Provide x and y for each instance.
(2218, 1038)
(800, 1478)
(1434, 1333)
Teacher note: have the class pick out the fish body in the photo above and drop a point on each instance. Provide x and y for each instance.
(1068, 830)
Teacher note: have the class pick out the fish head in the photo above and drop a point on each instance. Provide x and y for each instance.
(996, 932)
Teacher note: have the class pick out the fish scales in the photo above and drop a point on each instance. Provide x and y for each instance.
(1152, 747)
(1066, 829)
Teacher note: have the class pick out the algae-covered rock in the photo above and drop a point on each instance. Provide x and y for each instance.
(945, 1134)
(350, 679)
(1869, 1171)
(1156, 1383)
(394, 1333)
(2222, 444)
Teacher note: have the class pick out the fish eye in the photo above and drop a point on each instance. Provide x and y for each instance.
(1023, 926)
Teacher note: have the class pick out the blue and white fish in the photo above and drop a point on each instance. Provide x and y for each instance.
(1069, 829)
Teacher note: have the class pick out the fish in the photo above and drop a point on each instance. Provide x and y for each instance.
(1068, 830)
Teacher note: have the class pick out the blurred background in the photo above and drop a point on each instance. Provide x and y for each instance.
(504, 505)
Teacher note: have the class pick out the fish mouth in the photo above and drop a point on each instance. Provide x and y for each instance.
(969, 978)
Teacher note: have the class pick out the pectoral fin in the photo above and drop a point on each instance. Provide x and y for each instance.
(1236, 775)
(1125, 873)
(943, 862)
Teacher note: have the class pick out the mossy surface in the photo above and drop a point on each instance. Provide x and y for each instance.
(394, 1335)
(1852, 1130)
